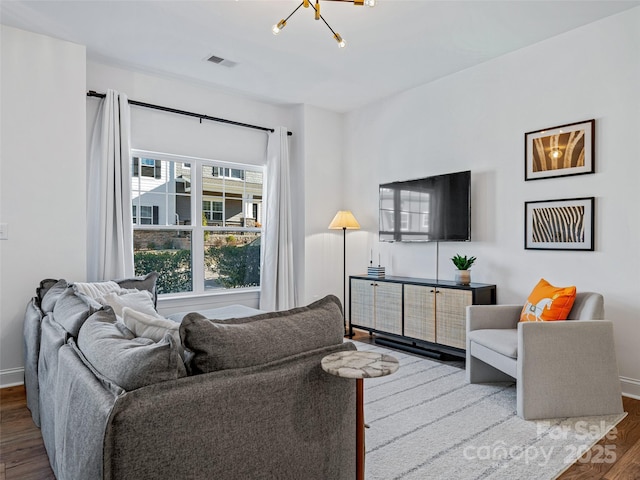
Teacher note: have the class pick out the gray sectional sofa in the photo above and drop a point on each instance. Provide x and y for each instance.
(241, 398)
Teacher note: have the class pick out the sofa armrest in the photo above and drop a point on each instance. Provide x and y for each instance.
(567, 369)
(480, 317)
(238, 424)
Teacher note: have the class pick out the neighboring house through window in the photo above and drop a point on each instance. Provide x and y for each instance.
(146, 167)
(196, 222)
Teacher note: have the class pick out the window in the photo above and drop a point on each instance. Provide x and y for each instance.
(227, 172)
(213, 211)
(148, 215)
(146, 167)
(197, 223)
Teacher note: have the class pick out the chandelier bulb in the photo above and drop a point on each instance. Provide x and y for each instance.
(369, 3)
(278, 27)
(340, 40)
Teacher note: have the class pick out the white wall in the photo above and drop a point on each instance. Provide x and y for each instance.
(476, 120)
(42, 176)
(324, 196)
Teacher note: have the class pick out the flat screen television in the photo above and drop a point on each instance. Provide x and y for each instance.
(430, 209)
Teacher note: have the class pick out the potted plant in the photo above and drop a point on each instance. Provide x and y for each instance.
(463, 264)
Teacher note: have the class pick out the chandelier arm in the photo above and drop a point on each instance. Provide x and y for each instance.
(329, 26)
(297, 8)
(322, 18)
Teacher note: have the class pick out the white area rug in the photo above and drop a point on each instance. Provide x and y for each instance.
(426, 422)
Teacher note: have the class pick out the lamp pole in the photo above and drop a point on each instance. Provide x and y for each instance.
(344, 279)
(344, 220)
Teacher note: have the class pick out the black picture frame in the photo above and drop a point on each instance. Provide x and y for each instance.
(560, 151)
(563, 224)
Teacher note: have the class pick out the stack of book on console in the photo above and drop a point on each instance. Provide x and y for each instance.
(377, 272)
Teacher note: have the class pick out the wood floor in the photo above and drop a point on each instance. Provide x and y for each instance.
(23, 457)
(22, 453)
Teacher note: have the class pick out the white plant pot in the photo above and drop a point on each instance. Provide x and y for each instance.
(463, 277)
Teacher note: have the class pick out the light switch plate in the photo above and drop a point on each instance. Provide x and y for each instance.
(4, 231)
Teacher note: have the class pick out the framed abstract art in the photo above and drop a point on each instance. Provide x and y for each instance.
(559, 224)
(560, 151)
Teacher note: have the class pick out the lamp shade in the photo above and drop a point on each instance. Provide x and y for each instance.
(344, 219)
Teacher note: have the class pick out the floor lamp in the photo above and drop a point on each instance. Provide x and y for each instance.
(344, 220)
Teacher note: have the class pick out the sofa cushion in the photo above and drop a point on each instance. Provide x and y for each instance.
(150, 326)
(140, 300)
(145, 282)
(501, 340)
(548, 303)
(51, 293)
(262, 338)
(130, 362)
(72, 309)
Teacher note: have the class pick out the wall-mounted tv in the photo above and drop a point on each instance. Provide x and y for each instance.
(431, 209)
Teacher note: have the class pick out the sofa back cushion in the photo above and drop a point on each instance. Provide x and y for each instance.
(49, 293)
(129, 361)
(587, 306)
(72, 309)
(145, 282)
(263, 338)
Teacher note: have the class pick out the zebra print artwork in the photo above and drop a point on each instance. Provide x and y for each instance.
(559, 224)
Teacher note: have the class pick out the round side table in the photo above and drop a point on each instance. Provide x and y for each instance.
(359, 365)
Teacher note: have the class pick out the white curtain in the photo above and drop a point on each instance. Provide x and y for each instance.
(109, 222)
(277, 288)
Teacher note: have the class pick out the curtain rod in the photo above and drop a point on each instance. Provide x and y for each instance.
(92, 93)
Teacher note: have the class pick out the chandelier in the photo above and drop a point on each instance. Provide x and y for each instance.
(277, 28)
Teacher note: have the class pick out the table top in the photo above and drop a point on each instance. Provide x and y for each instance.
(359, 364)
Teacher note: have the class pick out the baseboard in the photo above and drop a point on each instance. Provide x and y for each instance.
(630, 387)
(11, 377)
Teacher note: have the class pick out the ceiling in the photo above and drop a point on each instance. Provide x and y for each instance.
(392, 47)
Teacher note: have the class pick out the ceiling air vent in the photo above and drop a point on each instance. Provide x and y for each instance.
(221, 61)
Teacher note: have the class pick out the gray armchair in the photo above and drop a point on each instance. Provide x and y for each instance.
(561, 369)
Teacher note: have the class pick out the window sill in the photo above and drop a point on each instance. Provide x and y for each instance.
(210, 293)
(180, 302)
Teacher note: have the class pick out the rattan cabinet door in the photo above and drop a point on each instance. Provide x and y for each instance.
(388, 307)
(362, 303)
(451, 306)
(419, 312)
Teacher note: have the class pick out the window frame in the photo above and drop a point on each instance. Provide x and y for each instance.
(196, 208)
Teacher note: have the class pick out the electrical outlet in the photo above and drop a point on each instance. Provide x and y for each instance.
(4, 231)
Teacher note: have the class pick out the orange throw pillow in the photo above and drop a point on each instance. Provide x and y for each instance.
(548, 303)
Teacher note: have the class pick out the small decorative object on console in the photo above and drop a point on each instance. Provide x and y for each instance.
(377, 272)
(463, 264)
